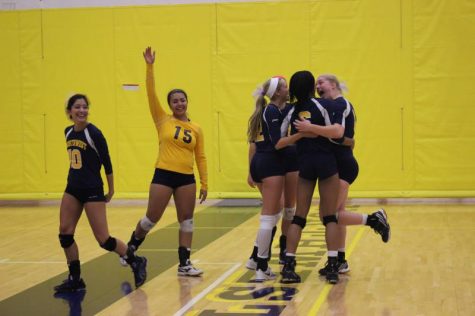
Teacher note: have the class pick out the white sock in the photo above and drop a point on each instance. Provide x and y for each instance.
(365, 219)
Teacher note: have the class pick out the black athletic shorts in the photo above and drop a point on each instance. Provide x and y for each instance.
(172, 179)
(87, 195)
(319, 165)
(267, 164)
(347, 168)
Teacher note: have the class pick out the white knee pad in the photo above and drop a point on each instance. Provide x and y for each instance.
(267, 222)
(289, 213)
(146, 223)
(187, 225)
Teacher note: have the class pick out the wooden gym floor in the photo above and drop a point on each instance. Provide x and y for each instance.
(427, 268)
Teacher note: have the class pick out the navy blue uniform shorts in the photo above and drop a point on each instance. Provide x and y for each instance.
(85, 195)
(267, 164)
(347, 168)
(172, 179)
(320, 165)
(291, 163)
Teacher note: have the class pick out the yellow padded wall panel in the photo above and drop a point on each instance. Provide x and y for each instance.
(78, 58)
(183, 37)
(11, 116)
(444, 70)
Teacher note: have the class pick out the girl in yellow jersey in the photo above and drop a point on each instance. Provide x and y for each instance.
(180, 140)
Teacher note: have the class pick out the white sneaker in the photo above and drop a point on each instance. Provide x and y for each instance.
(189, 270)
(262, 276)
(251, 264)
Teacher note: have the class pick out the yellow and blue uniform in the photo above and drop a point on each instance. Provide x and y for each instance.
(87, 151)
(346, 162)
(179, 141)
(316, 156)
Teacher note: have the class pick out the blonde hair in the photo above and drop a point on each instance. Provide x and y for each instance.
(255, 121)
(341, 86)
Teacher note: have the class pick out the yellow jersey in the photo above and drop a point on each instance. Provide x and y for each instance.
(178, 140)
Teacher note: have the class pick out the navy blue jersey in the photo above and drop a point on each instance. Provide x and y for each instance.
(319, 112)
(348, 122)
(272, 119)
(87, 151)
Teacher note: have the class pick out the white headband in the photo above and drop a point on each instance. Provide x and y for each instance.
(274, 82)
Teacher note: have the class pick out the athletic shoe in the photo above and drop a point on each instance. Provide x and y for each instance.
(251, 264)
(343, 267)
(139, 268)
(189, 270)
(332, 273)
(379, 222)
(262, 276)
(288, 272)
(69, 285)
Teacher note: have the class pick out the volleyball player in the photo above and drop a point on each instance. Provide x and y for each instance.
(87, 149)
(316, 163)
(180, 139)
(328, 87)
(267, 166)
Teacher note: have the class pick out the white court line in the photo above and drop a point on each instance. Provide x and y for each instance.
(207, 290)
(8, 261)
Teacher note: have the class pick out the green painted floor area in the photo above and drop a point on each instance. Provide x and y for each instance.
(107, 281)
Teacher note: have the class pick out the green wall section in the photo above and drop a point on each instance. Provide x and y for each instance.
(408, 64)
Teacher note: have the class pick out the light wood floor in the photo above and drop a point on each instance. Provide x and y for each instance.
(427, 268)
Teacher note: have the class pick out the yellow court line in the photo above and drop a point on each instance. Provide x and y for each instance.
(326, 289)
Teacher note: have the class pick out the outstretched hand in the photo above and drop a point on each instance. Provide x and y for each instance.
(148, 55)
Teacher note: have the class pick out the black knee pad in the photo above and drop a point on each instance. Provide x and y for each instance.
(66, 240)
(329, 219)
(299, 221)
(110, 244)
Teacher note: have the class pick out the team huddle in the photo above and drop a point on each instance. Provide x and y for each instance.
(293, 146)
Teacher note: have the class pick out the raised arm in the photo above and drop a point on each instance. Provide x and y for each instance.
(156, 109)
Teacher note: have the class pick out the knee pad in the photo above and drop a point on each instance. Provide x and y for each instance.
(110, 244)
(329, 219)
(289, 213)
(187, 225)
(267, 222)
(146, 223)
(66, 240)
(297, 220)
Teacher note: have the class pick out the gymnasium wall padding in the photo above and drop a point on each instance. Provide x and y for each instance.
(408, 64)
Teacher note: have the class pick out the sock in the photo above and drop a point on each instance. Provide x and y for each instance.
(365, 219)
(75, 270)
(134, 241)
(262, 264)
(282, 243)
(341, 255)
(184, 255)
(274, 230)
(254, 253)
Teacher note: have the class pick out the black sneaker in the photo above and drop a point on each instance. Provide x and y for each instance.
(288, 272)
(69, 285)
(332, 273)
(379, 222)
(140, 272)
(343, 267)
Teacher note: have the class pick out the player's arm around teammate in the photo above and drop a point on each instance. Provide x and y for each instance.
(180, 139)
(87, 149)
